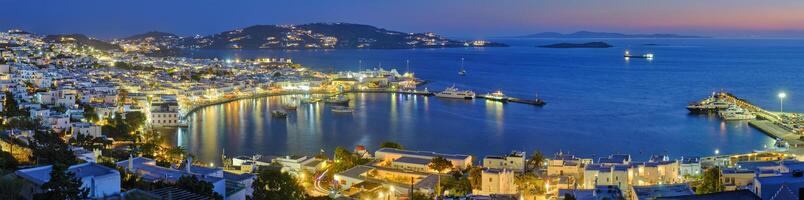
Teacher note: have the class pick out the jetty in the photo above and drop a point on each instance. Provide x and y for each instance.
(774, 124)
(506, 99)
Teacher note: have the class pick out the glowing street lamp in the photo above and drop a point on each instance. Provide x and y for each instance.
(782, 95)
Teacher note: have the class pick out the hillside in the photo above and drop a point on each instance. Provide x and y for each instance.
(82, 41)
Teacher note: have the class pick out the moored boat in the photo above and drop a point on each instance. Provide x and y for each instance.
(340, 99)
(453, 92)
(497, 96)
(341, 109)
(279, 114)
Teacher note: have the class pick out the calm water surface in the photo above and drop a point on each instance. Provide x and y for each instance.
(598, 102)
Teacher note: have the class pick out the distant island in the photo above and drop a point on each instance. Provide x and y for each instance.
(577, 45)
(589, 34)
(325, 36)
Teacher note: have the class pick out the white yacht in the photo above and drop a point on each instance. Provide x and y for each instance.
(734, 112)
(342, 109)
(452, 92)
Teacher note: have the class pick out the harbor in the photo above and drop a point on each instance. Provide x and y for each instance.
(783, 126)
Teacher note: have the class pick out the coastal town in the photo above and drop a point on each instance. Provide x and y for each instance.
(88, 117)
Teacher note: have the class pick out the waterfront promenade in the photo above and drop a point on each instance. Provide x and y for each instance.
(772, 124)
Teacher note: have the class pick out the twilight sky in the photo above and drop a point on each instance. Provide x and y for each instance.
(465, 18)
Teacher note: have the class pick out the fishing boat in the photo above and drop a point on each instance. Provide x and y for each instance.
(462, 71)
(279, 114)
(453, 92)
(497, 96)
(342, 109)
(339, 99)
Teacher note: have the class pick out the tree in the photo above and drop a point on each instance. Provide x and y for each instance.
(7, 162)
(346, 160)
(10, 108)
(458, 186)
(475, 174)
(440, 164)
(10, 187)
(273, 184)
(195, 185)
(135, 120)
(175, 154)
(393, 145)
(536, 160)
(711, 181)
(49, 148)
(569, 196)
(89, 113)
(528, 184)
(62, 185)
(420, 196)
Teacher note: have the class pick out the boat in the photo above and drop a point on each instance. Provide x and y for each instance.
(734, 112)
(497, 96)
(714, 103)
(452, 92)
(290, 107)
(462, 71)
(340, 99)
(629, 55)
(279, 114)
(342, 109)
(310, 100)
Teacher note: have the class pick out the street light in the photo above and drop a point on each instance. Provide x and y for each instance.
(782, 95)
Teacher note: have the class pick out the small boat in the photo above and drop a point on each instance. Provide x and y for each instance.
(290, 107)
(735, 112)
(497, 96)
(342, 109)
(462, 71)
(340, 99)
(279, 114)
(310, 100)
(453, 92)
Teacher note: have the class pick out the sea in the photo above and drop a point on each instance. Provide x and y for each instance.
(598, 102)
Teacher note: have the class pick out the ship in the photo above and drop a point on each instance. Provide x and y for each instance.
(341, 109)
(714, 103)
(629, 55)
(452, 92)
(339, 99)
(497, 96)
(279, 114)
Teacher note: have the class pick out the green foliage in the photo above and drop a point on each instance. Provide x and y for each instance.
(195, 185)
(529, 184)
(49, 148)
(536, 160)
(135, 120)
(10, 107)
(7, 162)
(21, 123)
(273, 184)
(440, 164)
(711, 182)
(475, 174)
(420, 196)
(458, 186)
(10, 187)
(389, 144)
(117, 128)
(89, 113)
(345, 160)
(569, 196)
(62, 185)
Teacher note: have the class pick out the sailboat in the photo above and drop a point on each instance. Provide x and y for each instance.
(462, 72)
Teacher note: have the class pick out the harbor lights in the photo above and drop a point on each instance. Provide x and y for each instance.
(717, 152)
(782, 95)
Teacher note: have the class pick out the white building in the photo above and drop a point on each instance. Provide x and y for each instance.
(514, 161)
(86, 129)
(496, 181)
(459, 161)
(165, 114)
(100, 180)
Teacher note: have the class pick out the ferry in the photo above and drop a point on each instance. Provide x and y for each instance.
(497, 96)
(629, 55)
(340, 99)
(452, 92)
(342, 109)
(279, 114)
(734, 112)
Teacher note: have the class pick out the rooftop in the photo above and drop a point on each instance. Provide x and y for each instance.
(412, 160)
(41, 175)
(653, 191)
(424, 153)
(730, 195)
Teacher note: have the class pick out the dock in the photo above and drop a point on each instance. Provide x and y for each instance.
(769, 122)
(535, 102)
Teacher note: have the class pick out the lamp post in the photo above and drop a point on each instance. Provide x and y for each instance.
(782, 95)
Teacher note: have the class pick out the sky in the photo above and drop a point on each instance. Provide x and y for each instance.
(459, 18)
